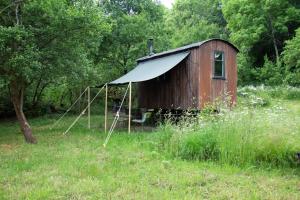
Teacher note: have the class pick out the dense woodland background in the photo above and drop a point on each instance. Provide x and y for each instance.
(50, 50)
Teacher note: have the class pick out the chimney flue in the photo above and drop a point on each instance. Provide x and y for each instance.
(150, 46)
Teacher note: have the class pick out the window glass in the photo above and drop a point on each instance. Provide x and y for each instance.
(219, 64)
(218, 55)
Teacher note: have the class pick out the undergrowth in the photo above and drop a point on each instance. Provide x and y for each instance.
(260, 131)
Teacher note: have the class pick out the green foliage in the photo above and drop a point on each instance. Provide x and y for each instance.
(133, 23)
(6, 108)
(270, 73)
(198, 147)
(259, 28)
(52, 44)
(291, 59)
(246, 74)
(253, 22)
(55, 30)
(270, 93)
(256, 133)
(60, 47)
(19, 55)
(196, 20)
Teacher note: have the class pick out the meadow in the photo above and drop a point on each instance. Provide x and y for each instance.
(263, 130)
(248, 152)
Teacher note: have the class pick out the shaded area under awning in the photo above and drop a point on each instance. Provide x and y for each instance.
(151, 68)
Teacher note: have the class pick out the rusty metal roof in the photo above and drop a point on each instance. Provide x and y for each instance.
(180, 49)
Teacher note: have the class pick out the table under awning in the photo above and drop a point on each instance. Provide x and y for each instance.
(152, 68)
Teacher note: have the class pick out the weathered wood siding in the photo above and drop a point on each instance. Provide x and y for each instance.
(210, 88)
(173, 90)
(190, 84)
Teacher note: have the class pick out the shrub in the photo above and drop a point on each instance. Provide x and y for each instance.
(291, 55)
(270, 73)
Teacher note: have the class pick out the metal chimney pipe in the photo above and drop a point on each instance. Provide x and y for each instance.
(150, 46)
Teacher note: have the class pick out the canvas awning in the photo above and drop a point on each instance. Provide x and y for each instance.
(150, 69)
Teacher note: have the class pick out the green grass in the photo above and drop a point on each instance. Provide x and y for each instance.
(76, 166)
(274, 92)
(267, 136)
(178, 162)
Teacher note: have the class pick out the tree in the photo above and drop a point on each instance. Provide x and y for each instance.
(45, 40)
(133, 23)
(196, 20)
(291, 55)
(260, 27)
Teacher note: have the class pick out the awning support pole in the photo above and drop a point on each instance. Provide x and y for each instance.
(89, 108)
(105, 109)
(129, 107)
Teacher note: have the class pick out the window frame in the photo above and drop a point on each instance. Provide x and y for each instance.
(223, 76)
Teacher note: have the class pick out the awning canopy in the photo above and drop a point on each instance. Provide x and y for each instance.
(150, 69)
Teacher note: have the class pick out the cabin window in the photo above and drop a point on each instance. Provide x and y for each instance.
(219, 64)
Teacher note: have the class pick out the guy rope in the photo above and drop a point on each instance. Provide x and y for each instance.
(84, 110)
(57, 122)
(115, 119)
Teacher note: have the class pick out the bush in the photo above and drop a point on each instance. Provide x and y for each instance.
(291, 55)
(270, 73)
(246, 72)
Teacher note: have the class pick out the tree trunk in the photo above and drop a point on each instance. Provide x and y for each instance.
(38, 95)
(17, 94)
(276, 51)
(34, 100)
(274, 41)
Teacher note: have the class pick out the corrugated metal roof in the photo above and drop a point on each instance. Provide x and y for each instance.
(153, 68)
(180, 49)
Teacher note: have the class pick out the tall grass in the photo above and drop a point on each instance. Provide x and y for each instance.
(269, 93)
(267, 135)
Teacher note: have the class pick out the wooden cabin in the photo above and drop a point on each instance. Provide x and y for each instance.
(188, 77)
(207, 73)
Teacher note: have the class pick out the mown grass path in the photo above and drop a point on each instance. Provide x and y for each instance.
(77, 166)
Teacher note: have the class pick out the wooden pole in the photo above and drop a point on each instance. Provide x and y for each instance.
(129, 108)
(89, 108)
(105, 109)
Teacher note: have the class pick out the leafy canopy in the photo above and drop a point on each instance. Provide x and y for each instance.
(54, 39)
(196, 20)
(291, 59)
(133, 23)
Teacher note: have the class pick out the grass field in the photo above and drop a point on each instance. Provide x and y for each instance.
(134, 166)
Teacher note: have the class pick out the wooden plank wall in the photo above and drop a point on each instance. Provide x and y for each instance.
(190, 84)
(177, 89)
(212, 89)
